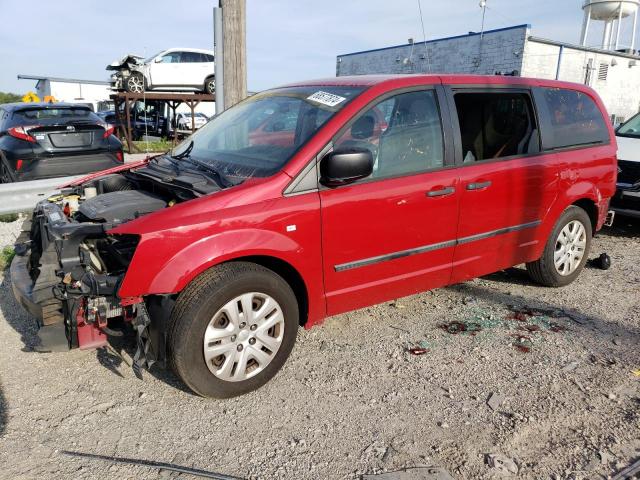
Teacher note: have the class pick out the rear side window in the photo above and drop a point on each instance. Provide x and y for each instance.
(571, 119)
(191, 57)
(496, 125)
(51, 116)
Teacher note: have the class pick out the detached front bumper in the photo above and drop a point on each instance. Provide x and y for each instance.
(52, 337)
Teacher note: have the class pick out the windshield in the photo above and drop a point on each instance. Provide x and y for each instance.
(631, 128)
(149, 59)
(257, 137)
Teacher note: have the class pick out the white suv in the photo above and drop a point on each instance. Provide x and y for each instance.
(175, 69)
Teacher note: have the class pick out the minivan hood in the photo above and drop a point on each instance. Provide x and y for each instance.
(208, 209)
(628, 149)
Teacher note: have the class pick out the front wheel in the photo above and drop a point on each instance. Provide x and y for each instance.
(566, 251)
(135, 83)
(232, 329)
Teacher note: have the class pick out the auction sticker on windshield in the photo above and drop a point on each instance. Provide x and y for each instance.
(328, 99)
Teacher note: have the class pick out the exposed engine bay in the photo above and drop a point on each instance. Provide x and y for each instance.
(123, 69)
(68, 268)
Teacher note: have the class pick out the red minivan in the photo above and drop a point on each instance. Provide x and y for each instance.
(311, 200)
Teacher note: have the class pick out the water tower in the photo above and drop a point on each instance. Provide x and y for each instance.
(612, 13)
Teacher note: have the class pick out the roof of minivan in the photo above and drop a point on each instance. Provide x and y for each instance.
(448, 79)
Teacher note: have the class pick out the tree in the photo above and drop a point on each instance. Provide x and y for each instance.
(6, 97)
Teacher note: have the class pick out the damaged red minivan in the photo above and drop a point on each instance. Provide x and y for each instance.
(311, 200)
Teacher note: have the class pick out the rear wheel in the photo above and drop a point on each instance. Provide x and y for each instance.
(232, 329)
(135, 83)
(6, 175)
(210, 85)
(566, 251)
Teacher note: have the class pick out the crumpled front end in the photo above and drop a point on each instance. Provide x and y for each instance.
(67, 274)
(123, 68)
(68, 267)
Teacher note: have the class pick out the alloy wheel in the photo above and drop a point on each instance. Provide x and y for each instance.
(243, 337)
(135, 84)
(570, 248)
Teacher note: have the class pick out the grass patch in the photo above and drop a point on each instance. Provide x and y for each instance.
(6, 256)
(157, 146)
(9, 217)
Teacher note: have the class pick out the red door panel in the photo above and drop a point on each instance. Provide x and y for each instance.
(388, 239)
(502, 206)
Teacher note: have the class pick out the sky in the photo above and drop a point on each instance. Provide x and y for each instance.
(287, 40)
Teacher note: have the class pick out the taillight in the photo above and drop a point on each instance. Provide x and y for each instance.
(22, 133)
(19, 164)
(108, 129)
(119, 156)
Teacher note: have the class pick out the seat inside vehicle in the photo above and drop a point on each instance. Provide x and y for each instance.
(496, 125)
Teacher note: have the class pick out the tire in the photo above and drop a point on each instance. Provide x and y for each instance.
(544, 270)
(6, 175)
(135, 83)
(203, 307)
(210, 85)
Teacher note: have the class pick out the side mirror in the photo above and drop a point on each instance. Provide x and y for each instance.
(345, 166)
(157, 59)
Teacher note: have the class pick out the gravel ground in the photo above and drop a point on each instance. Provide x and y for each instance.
(551, 388)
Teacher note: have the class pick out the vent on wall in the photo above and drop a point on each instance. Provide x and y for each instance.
(603, 71)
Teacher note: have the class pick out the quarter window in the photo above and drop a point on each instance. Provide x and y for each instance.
(496, 125)
(404, 134)
(573, 119)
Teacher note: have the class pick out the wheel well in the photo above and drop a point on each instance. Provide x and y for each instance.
(290, 275)
(590, 207)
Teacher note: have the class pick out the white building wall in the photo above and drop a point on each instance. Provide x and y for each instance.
(620, 90)
(73, 92)
(505, 51)
(498, 51)
(540, 60)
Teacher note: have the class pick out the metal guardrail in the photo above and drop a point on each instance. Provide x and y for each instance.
(23, 196)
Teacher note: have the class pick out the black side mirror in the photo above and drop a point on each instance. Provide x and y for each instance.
(345, 166)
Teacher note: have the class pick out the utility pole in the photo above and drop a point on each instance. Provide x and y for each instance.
(218, 40)
(234, 57)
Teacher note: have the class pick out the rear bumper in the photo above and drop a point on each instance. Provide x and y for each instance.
(64, 166)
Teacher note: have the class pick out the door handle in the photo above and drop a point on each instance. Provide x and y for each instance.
(441, 193)
(478, 185)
